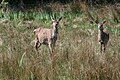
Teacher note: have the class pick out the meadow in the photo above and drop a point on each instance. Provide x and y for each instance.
(77, 52)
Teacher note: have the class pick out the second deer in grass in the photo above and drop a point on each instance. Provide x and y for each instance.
(103, 37)
(47, 36)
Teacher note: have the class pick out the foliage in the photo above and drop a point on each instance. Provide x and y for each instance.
(77, 55)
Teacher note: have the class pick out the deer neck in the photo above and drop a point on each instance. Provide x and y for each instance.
(100, 31)
(55, 31)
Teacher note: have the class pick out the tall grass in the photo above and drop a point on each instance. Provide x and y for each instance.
(76, 57)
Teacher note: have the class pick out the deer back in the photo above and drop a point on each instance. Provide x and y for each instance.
(43, 34)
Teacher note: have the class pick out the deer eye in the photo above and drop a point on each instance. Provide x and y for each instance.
(57, 22)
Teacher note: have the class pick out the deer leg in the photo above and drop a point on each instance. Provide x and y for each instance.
(53, 48)
(37, 45)
(101, 47)
(53, 44)
(50, 46)
(104, 47)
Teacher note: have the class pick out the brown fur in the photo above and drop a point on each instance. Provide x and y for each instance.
(103, 37)
(47, 36)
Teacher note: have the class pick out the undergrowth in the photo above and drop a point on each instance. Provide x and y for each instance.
(77, 55)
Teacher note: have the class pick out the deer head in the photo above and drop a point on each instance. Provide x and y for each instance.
(55, 22)
(101, 25)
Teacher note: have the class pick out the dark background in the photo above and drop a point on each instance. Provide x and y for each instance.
(43, 2)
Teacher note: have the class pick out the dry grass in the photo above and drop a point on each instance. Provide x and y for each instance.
(76, 57)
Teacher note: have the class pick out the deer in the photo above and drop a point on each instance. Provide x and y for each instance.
(103, 36)
(47, 36)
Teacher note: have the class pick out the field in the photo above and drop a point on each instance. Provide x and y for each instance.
(77, 53)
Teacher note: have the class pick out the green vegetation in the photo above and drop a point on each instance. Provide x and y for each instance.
(77, 55)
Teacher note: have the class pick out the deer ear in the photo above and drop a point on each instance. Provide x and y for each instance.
(97, 20)
(52, 19)
(59, 18)
(104, 22)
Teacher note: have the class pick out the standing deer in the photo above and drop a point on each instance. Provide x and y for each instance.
(103, 37)
(47, 36)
